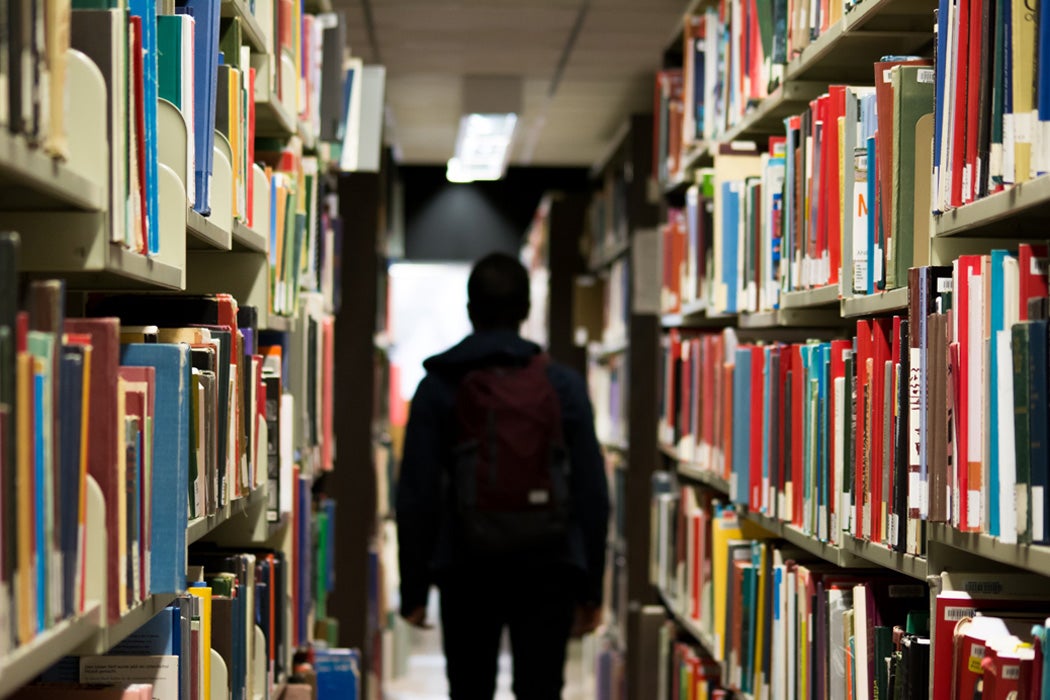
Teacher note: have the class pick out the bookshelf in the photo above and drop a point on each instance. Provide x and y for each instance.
(255, 321)
(910, 540)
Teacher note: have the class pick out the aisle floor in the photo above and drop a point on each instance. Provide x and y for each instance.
(425, 679)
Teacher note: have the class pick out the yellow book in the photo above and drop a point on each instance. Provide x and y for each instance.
(233, 98)
(204, 593)
(760, 614)
(1024, 29)
(24, 581)
(724, 529)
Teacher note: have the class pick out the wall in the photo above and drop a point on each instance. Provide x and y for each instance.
(450, 222)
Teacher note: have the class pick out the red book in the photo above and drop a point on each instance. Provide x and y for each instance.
(836, 110)
(1031, 261)
(881, 330)
(958, 137)
(103, 445)
(972, 101)
(758, 371)
(895, 412)
(968, 442)
(860, 492)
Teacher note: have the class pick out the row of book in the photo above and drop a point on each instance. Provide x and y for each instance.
(607, 225)
(933, 416)
(784, 627)
(839, 199)
(689, 672)
(782, 624)
(235, 604)
(992, 114)
(173, 405)
(734, 54)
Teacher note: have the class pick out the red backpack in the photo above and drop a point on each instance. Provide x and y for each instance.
(510, 475)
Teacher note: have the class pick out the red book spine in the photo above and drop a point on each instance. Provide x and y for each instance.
(834, 201)
(973, 100)
(758, 364)
(861, 439)
(958, 149)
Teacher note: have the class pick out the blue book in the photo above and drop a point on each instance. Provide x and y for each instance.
(71, 388)
(940, 87)
(730, 243)
(997, 324)
(206, 65)
(170, 492)
(39, 493)
(147, 10)
(1042, 85)
(338, 674)
(740, 488)
(872, 219)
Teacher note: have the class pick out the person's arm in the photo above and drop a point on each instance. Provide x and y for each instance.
(590, 487)
(419, 497)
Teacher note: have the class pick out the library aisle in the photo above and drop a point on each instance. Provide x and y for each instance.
(425, 679)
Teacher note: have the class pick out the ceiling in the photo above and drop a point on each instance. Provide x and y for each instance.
(428, 46)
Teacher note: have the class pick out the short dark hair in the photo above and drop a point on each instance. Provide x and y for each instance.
(498, 292)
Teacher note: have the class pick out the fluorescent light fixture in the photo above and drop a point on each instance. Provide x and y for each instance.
(482, 147)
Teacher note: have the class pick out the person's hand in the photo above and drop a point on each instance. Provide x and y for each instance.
(418, 618)
(586, 620)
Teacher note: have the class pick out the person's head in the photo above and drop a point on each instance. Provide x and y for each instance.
(498, 293)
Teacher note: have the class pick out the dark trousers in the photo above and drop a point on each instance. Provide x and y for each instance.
(535, 603)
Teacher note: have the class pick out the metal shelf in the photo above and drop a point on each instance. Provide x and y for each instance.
(1013, 213)
(249, 239)
(250, 27)
(283, 324)
(907, 564)
(706, 639)
(768, 117)
(272, 119)
(707, 477)
(794, 535)
(31, 180)
(200, 527)
(810, 298)
(1035, 558)
(615, 445)
(23, 663)
(874, 304)
(120, 268)
(204, 234)
(603, 352)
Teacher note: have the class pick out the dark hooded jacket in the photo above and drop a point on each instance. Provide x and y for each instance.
(427, 547)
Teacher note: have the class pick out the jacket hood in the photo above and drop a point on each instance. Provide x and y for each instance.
(482, 348)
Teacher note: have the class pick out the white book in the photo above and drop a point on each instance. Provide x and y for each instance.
(839, 463)
(862, 652)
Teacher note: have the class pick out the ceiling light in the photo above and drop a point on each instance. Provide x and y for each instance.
(482, 147)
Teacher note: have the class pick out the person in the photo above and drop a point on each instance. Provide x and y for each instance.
(542, 594)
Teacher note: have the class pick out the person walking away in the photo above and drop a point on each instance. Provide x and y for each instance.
(502, 501)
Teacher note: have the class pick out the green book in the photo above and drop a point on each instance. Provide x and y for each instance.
(1019, 342)
(913, 92)
(883, 652)
(169, 59)
(230, 41)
